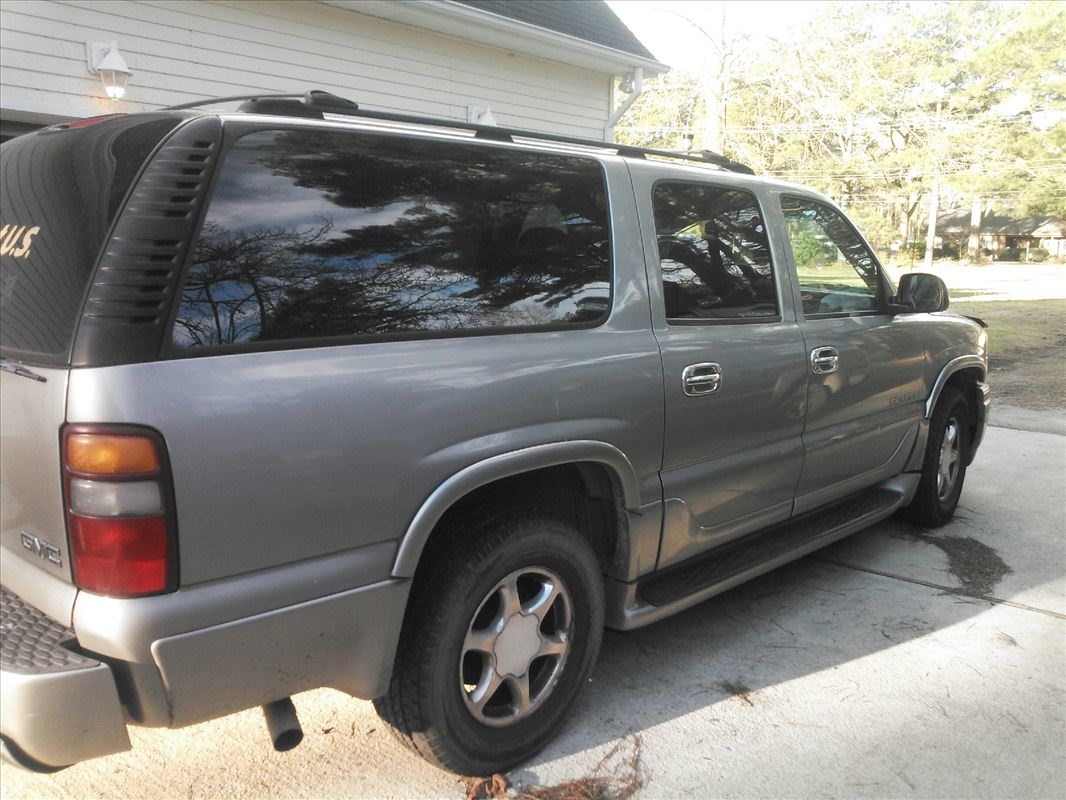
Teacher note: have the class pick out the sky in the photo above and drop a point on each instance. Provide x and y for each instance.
(682, 33)
(677, 31)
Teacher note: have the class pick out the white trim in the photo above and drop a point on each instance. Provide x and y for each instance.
(618, 113)
(465, 22)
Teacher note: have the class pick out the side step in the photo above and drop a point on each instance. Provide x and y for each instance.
(711, 573)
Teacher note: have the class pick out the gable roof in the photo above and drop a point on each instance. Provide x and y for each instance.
(591, 20)
(958, 221)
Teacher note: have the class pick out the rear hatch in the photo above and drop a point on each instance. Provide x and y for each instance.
(60, 189)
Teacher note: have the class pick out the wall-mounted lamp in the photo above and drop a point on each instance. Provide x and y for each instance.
(105, 60)
(480, 116)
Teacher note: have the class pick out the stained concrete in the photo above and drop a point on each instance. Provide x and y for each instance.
(897, 663)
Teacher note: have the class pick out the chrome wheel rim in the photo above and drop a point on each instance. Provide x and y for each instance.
(950, 458)
(515, 646)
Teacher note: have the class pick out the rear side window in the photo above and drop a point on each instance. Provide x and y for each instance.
(314, 235)
(713, 253)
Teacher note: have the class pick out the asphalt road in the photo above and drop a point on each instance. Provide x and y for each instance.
(896, 663)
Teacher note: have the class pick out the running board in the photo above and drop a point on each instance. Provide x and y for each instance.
(683, 585)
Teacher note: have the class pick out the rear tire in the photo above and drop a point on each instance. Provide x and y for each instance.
(944, 466)
(502, 631)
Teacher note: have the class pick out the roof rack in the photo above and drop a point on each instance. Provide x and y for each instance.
(315, 104)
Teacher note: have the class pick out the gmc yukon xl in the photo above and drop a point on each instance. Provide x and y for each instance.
(302, 395)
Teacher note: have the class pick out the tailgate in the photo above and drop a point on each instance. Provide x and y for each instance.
(34, 561)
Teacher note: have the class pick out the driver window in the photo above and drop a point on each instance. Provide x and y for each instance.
(713, 253)
(837, 272)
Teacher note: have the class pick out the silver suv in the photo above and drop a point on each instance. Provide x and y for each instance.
(303, 395)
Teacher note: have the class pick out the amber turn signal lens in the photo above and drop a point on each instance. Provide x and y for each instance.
(108, 454)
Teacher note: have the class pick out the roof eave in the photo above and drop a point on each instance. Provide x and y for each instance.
(455, 19)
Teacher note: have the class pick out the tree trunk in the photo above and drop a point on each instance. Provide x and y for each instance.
(973, 246)
(930, 236)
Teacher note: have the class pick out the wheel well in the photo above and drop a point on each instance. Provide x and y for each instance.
(966, 381)
(586, 494)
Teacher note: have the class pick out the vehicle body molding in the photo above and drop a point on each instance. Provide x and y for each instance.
(504, 466)
(953, 366)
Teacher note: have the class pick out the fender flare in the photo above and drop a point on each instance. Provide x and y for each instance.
(504, 466)
(953, 366)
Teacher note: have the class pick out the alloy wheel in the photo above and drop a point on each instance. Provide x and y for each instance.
(515, 646)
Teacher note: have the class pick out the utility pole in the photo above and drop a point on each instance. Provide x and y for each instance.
(714, 83)
(934, 194)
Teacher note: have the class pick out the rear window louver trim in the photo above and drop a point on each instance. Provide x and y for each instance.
(128, 287)
(130, 295)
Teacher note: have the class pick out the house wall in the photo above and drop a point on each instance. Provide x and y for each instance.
(1056, 247)
(181, 51)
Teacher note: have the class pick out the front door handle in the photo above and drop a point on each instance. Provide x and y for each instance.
(701, 379)
(824, 360)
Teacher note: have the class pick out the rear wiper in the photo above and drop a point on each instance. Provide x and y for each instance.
(18, 369)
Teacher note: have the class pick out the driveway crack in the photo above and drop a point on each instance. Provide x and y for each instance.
(946, 589)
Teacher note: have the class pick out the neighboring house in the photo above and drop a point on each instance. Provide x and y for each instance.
(546, 65)
(1000, 233)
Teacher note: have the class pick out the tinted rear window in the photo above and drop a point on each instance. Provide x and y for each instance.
(59, 192)
(314, 235)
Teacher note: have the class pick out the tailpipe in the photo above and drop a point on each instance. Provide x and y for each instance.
(283, 725)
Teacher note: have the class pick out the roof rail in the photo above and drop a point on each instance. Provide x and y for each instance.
(317, 103)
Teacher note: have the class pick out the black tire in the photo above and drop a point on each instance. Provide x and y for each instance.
(934, 503)
(460, 594)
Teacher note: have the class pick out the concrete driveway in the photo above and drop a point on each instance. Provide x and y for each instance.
(894, 664)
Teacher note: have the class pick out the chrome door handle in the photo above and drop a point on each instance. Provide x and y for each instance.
(824, 360)
(700, 379)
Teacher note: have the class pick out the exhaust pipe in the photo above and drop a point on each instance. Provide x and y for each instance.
(283, 725)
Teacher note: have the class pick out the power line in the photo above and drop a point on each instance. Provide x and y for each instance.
(879, 172)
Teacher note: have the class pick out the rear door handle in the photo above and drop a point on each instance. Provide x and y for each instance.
(824, 360)
(700, 379)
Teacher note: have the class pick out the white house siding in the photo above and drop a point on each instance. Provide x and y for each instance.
(182, 50)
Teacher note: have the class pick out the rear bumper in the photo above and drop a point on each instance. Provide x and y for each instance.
(57, 707)
(60, 706)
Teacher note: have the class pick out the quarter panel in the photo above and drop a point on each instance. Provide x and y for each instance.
(283, 456)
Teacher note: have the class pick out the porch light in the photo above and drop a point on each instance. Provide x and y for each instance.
(106, 61)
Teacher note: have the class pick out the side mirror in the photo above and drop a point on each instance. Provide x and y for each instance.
(920, 292)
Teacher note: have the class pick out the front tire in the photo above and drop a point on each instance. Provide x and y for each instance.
(944, 467)
(502, 631)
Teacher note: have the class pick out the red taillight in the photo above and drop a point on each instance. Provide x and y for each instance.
(120, 557)
(119, 510)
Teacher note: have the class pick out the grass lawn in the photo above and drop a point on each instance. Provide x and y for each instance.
(1027, 341)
